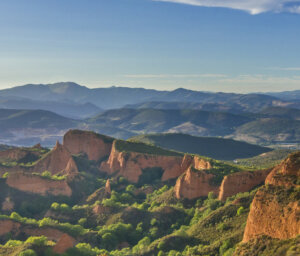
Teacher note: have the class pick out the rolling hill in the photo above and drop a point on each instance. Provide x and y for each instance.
(279, 112)
(64, 108)
(218, 148)
(265, 130)
(27, 127)
(161, 120)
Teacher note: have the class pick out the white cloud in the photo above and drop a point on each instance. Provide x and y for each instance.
(250, 6)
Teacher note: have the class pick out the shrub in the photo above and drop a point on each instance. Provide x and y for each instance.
(15, 216)
(5, 175)
(224, 247)
(222, 227)
(82, 221)
(28, 252)
(13, 243)
(37, 240)
(240, 211)
(47, 174)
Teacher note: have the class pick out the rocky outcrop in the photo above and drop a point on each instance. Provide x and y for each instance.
(132, 164)
(94, 145)
(194, 183)
(100, 209)
(275, 210)
(107, 187)
(7, 205)
(51, 233)
(241, 182)
(200, 163)
(287, 173)
(64, 243)
(55, 161)
(38, 185)
(9, 226)
(71, 168)
(269, 216)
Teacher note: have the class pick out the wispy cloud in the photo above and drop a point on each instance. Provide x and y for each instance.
(250, 6)
(285, 68)
(261, 79)
(168, 76)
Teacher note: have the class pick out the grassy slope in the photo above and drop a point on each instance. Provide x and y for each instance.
(139, 147)
(218, 148)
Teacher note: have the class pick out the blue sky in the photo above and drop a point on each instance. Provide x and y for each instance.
(210, 45)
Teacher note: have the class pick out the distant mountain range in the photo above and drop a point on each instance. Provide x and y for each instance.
(33, 113)
(118, 97)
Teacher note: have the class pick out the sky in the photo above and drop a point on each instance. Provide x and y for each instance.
(208, 45)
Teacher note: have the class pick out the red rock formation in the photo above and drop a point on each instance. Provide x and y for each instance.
(269, 216)
(107, 187)
(284, 174)
(275, 210)
(241, 182)
(9, 226)
(131, 164)
(35, 184)
(71, 169)
(8, 205)
(99, 209)
(50, 233)
(94, 145)
(194, 183)
(200, 163)
(55, 161)
(64, 243)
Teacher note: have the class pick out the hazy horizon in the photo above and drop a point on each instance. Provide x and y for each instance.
(215, 46)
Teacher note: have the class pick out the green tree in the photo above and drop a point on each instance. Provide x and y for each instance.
(28, 252)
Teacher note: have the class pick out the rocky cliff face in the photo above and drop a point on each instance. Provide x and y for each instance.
(241, 182)
(7, 205)
(71, 168)
(9, 226)
(55, 161)
(287, 173)
(194, 183)
(64, 243)
(95, 146)
(275, 210)
(38, 185)
(131, 164)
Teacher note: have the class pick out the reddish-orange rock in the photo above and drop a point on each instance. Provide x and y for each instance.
(95, 146)
(107, 187)
(9, 226)
(71, 168)
(284, 174)
(99, 209)
(241, 182)
(38, 185)
(275, 210)
(16, 154)
(55, 161)
(50, 233)
(64, 243)
(8, 205)
(131, 164)
(200, 163)
(194, 183)
(269, 216)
